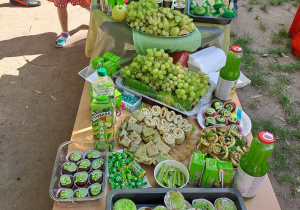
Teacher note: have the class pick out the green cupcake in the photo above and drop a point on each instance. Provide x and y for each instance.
(229, 13)
(124, 204)
(199, 11)
(218, 4)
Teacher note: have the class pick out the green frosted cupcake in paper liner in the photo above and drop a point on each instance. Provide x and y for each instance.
(199, 11)
(218, 4)
(229, 13)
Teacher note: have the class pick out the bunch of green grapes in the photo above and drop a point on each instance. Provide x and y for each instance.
(157, 70)
(140, 12)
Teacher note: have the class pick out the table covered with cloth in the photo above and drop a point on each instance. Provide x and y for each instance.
(106, 35)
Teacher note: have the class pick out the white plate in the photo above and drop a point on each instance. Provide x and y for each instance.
(246, 124)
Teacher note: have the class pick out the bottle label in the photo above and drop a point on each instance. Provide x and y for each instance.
(246, 184)
(103, 124)
(225, 89)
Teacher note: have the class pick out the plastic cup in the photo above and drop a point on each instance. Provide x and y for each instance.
(176, 164)
(204, 201)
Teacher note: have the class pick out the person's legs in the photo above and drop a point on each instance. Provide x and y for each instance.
(86, 4)
(63, 19)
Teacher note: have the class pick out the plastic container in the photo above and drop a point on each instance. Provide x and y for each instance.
(153, 197)
(209, 19)
(204, 100)
(174, 163)
(132, 107)
(63, 150)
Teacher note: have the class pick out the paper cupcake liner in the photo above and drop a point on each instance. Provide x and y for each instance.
(70, 153)
(91, 195)
(227, 199)
(102, 169)
(72, 178)
(226, 120)
(213, 102)
(209, 125)
(87, 183)
(61, 189)
(89, 168)
(90, 182)
(70, 173)
(202, 200)
(91, 159)
(232, 103)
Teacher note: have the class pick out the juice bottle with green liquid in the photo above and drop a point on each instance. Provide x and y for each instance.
(103, 110)
(254, 165)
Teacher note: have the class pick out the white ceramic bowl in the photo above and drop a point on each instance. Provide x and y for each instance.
(176, 164)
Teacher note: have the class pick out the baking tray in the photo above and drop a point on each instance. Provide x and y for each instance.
(155, 196)
(63, 150)
(208, 19)
(160, 35)
(204, 100)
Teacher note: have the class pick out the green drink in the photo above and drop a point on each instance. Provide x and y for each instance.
(229, 75)
(103, 110)
(254, 165)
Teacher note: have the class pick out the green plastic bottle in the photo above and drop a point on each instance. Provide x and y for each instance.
(254, 165)
(103, 110)
(229, 75)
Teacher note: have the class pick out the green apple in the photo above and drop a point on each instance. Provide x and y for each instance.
(119, 13)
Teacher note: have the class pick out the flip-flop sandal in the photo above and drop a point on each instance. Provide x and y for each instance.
(62, 39)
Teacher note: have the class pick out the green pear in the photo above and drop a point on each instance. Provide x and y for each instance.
(174, 31)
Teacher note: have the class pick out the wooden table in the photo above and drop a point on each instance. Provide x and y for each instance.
(264, 200)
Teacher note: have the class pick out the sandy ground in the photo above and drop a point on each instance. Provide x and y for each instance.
(40, 92)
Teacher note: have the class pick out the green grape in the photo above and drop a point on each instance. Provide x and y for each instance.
(128, 72)
(207, 87)
(133, 76)
(193, 94)
(154, 71)
(191, 99)
(191, 88)
(174, 78)
(170, 76)
(155, 76)
(179, 85)
(184, 97)
(185, 85)
(156, 65)
(201, 86)
(169, 89)
(179, 96)
(160, 76)
(177, 91)
(205, 82)
(182, 92)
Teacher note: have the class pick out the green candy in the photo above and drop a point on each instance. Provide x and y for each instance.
(65, 180)
(81, 193)
(66, 193)
(71, 167)
(95, 189)
(220, 119)
(225, 113)
(232, 119)
(84, 163)
(229, 107)
(97, 163)
(75, 156)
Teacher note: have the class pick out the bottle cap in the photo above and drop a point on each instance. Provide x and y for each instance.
(236, 49)
(102, 72)
(266, 137)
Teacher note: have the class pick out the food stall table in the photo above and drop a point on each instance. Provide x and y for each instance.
(106, 35)
(265, 198)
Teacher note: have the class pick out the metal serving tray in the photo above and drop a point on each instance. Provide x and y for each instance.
(155, 196)
(208, 19)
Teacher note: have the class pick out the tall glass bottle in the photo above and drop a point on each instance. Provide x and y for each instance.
(254, 165)
(229, 75)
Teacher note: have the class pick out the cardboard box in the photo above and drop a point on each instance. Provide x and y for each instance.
(110, 67)
(227, 169)
(210, 173)
(116, 60)
(196, 168)
(118, 102)
(107, 56)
